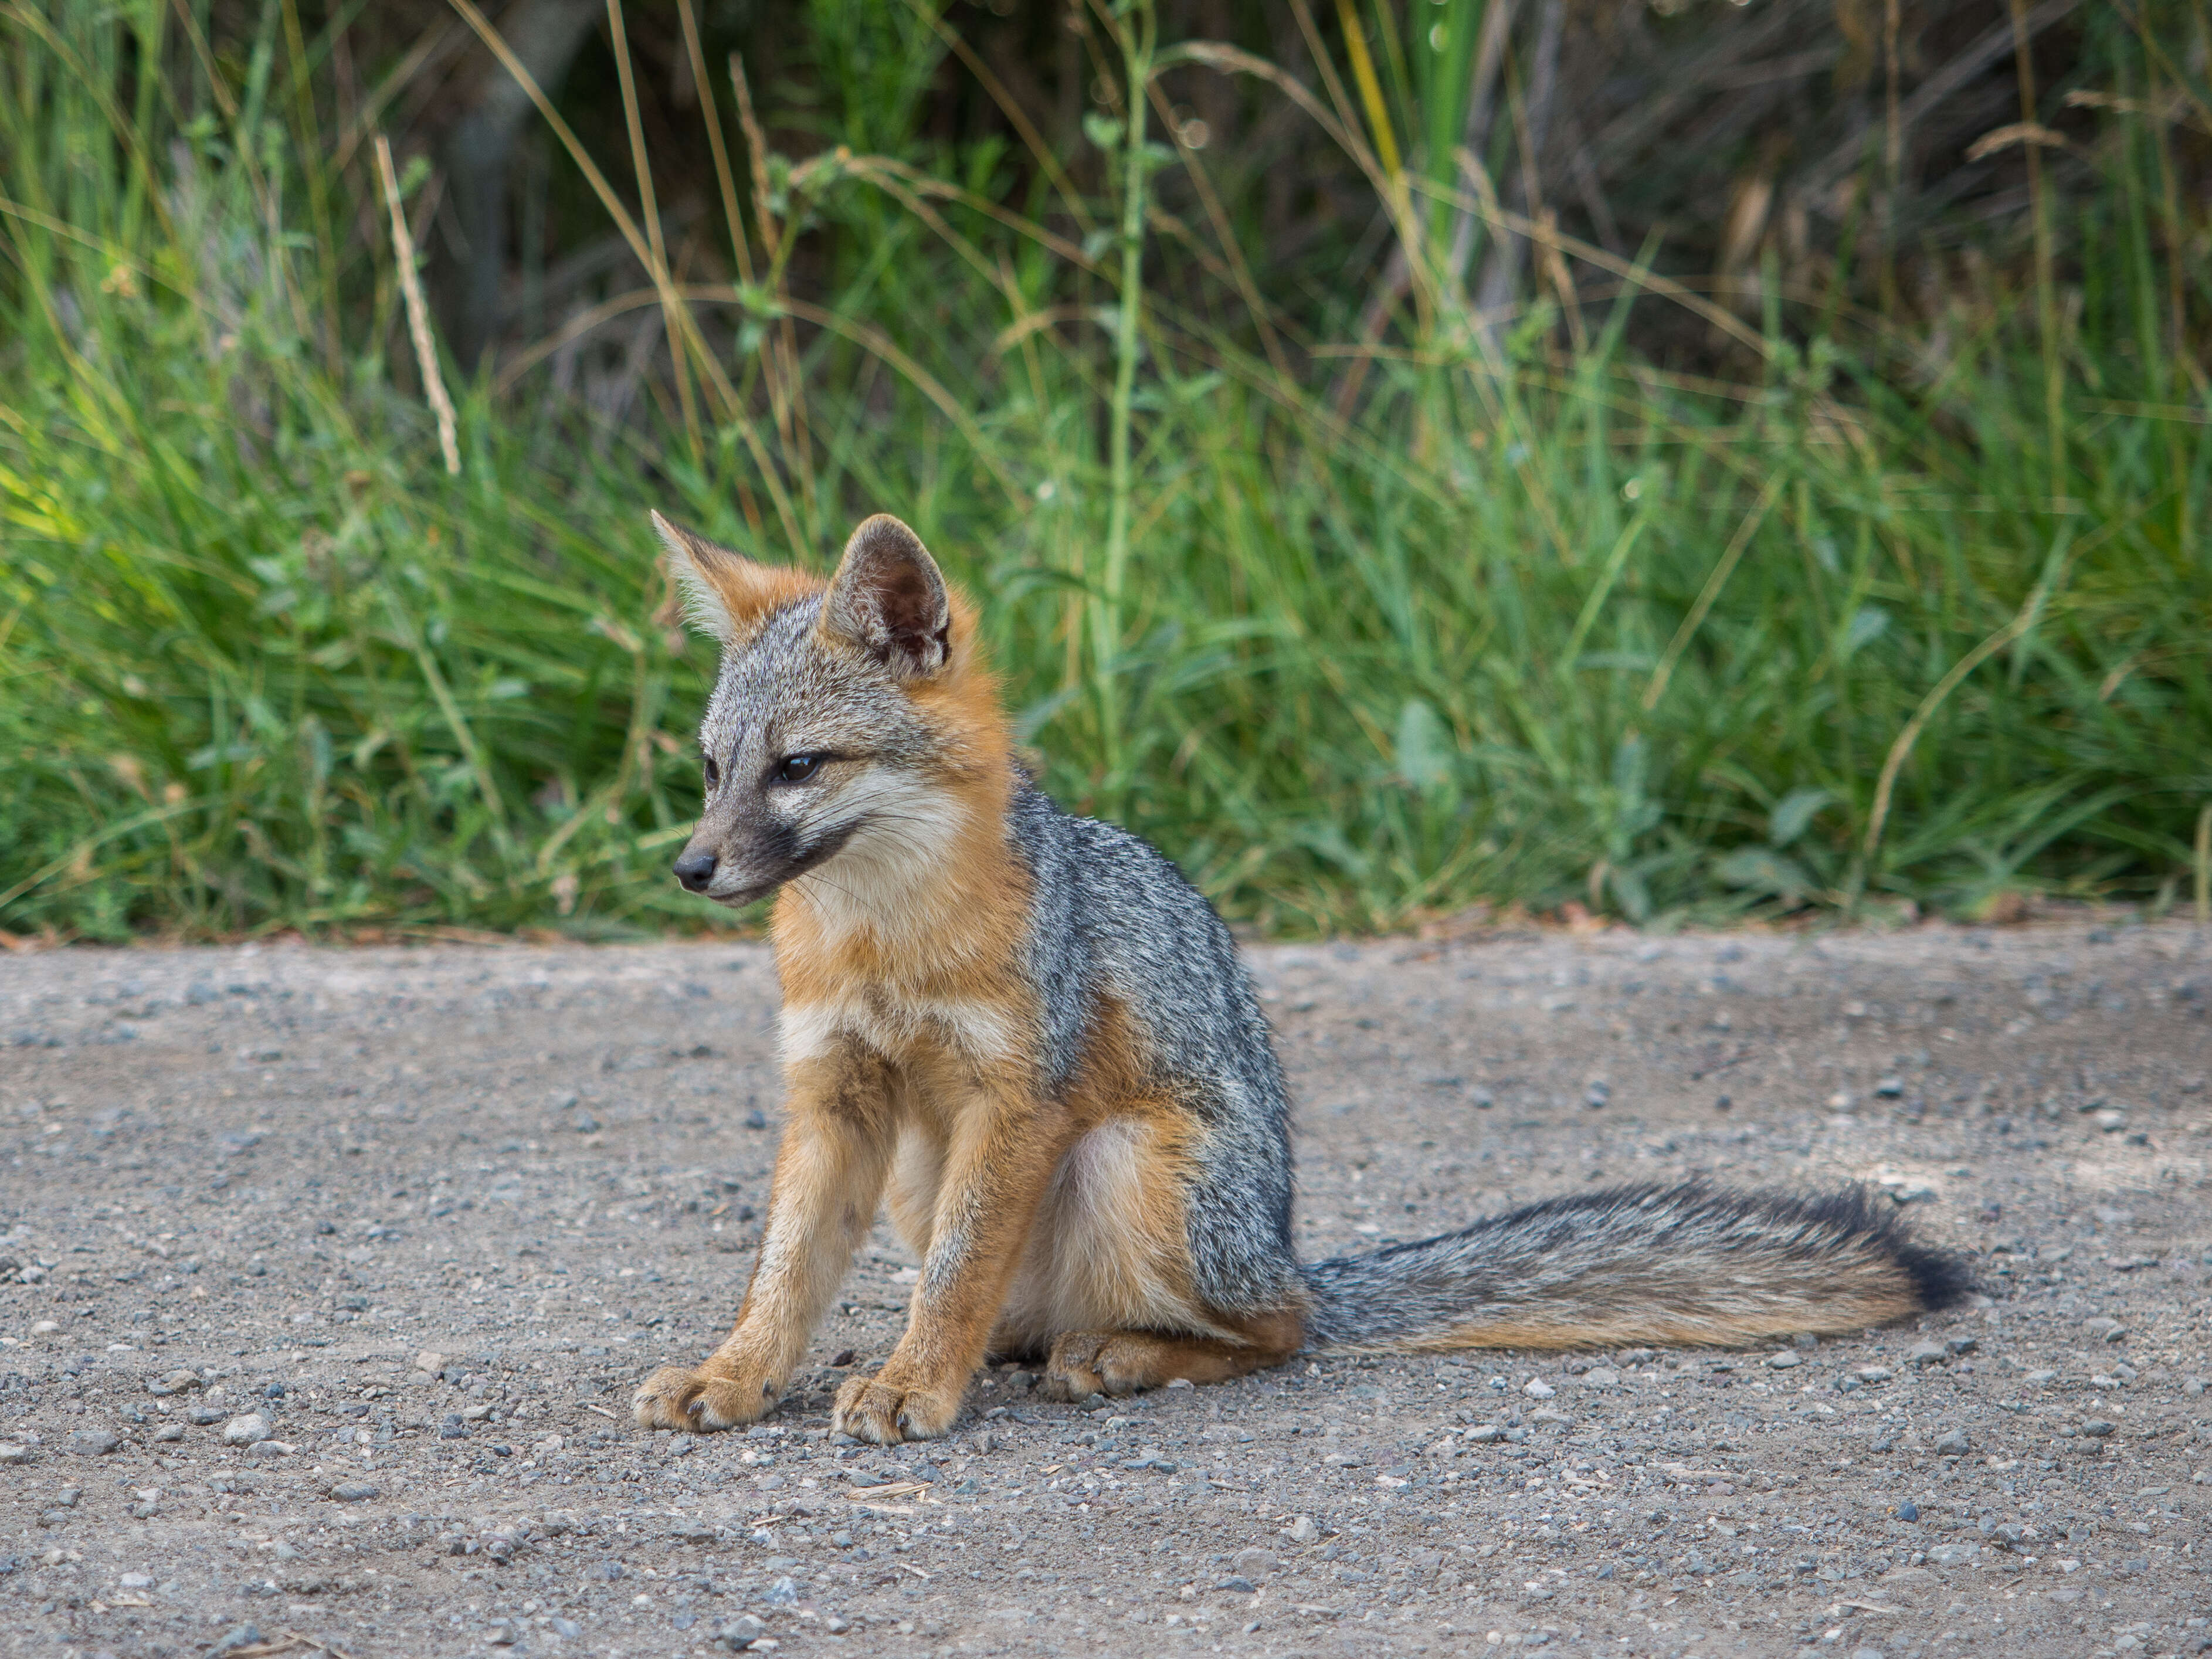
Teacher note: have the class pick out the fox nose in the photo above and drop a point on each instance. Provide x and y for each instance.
(696, 871)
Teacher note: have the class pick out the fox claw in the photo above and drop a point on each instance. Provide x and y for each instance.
(1084, 1362)
(700, 1400)
(869, 1409)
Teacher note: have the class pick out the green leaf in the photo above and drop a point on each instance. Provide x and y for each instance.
(1629, 892)
(1869, 623)
(1428, 757)
(1792, 813)
(1326, 841)
(1757, 870)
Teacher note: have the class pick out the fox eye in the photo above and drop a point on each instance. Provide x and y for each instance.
(713, 773)
(796, 769)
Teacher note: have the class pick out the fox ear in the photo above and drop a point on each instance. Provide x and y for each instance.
(889, 598)
(725, 595)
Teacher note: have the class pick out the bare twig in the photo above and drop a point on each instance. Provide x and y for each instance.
(1711, 591)
(2029, 614)
(1489, 54)
(1522, 225)
(391, 87)
(1071, 199)
(418, 311)
(649, 210)
(733, 406)
(1820, 180)
(697, 55)
(1502, 271)
(787, 389)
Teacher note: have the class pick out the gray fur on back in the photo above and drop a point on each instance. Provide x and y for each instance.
(1111, 916)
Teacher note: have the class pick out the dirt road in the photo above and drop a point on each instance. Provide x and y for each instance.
(330, 1274)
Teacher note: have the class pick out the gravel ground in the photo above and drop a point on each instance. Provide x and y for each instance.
(330, 1274)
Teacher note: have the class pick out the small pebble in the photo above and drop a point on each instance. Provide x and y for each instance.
(94, 1441)
(1908, 1511)
(245, 1431)
(1953, 1443)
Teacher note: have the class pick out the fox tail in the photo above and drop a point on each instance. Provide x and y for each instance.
(1684, 1264)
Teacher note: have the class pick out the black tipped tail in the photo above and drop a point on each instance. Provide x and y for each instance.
(1686, 1264)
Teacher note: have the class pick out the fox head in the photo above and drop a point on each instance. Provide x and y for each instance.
(853, 725)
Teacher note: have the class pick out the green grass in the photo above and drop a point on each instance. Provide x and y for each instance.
(1551, 626)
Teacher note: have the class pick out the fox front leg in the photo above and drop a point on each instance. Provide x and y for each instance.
(829, 1173)
(1000, 1160)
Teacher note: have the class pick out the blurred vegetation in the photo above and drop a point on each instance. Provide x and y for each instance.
(1680, 460)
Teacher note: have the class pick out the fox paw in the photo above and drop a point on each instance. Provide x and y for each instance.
(701, 1401)
(1084, 1362)
(869, 1409)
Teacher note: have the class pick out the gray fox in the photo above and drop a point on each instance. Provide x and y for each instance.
(1034, 1037)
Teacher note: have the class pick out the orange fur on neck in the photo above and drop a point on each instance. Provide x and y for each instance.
(969, 903)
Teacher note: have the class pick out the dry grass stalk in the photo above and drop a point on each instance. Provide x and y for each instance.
(418, 311)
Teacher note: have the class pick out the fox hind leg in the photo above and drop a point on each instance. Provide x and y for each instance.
(1084, 1362)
